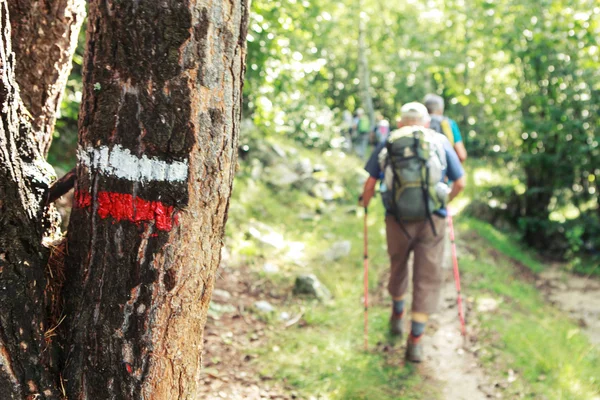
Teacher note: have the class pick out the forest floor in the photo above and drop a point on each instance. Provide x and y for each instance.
(452, 369)
(532, 328)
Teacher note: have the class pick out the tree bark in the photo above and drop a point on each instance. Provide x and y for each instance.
(363, 68)
(27, 367)
(157, 153)
(44, 37)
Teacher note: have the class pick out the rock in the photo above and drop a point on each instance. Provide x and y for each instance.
(304, 168)
(307, 184)
(281, 175)
(266, 235)
(307, 216)
(311, 286)
(256, 169)
(215, 310)
(264, 306)
(279, 150)
(338, 250)
(487, 304)
(284, 316)
(323, 191)
(318, 168)
(221, 296)
(270, 268)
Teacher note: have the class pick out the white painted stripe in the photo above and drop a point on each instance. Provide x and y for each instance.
(119, 162)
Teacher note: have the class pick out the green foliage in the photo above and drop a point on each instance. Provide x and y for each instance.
(63, 152)
(521, 82)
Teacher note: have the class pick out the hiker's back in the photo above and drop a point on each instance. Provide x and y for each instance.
(413, 162)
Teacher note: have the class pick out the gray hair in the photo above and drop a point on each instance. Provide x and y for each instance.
(434, 103)
(414, 113)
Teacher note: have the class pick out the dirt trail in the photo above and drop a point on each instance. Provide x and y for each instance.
(231, 339)
(449, 358)
(575, 295)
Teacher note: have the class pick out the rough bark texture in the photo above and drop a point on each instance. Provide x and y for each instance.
(44, 38)
(26, 363)
(163, 96)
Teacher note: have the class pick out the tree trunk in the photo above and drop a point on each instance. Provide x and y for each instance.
(27, 368)
(157, 153)
(44, 37)
(363, 68)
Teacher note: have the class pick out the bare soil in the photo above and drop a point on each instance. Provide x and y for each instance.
(231, 369)
(576, 295)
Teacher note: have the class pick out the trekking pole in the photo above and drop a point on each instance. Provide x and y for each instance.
(461, 314)
(366, 278)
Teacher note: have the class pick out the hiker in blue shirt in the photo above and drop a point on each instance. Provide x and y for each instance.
(445, 125)
(415, 214)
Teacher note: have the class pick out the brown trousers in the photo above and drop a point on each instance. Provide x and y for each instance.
(428, 258)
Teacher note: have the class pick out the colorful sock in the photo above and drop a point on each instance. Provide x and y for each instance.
(416, 330)
(398, 307)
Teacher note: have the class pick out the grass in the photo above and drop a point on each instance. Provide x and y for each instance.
(550, 353)
(324, 357)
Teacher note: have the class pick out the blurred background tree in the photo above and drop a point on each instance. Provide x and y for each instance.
(521, 78)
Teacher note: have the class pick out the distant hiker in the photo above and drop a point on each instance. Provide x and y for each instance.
(347, 124)
(445, 125)
(362, 127)
(413, 165)
(381, 131)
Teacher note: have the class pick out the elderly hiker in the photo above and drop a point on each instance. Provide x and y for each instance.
(413, 165)
(362, 127)
(445, 125)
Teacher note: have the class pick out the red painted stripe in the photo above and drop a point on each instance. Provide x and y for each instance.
(124, 207)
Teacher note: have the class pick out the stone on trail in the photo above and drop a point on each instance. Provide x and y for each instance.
(304, 168)
(215, 310)
(221, 296)
(270, 268)
(309, 285)
(281, 175)
(323, 191)
(257, 169)
(266, 235)
(487, 304)
(338, 250)
(264, 306)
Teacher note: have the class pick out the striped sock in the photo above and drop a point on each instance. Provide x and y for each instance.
(398, 308)
(416, 331)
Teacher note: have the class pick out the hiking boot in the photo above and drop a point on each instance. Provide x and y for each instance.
(414, 351)
(396, 325)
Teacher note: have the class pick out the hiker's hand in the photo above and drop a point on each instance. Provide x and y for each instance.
(365, 199)
(368, 192)
(361, 202)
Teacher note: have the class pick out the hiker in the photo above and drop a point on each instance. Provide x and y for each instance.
(381, 131)
(416, 220)
(445, 125)
(347, 126)
(362, 127)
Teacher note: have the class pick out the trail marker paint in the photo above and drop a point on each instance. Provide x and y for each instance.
(124, 207)
(118, 162)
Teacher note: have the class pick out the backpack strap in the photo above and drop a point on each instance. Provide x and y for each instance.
(424, 181)
(447, 130)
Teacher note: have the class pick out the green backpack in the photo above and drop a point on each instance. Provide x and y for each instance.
(364, 124)
(413, 162)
